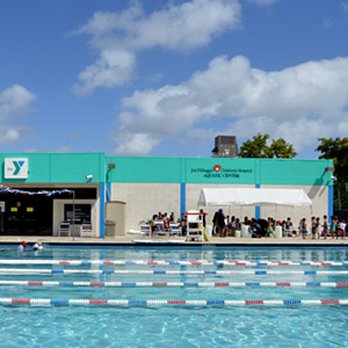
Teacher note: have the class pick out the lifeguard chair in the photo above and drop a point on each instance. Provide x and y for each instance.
(195, 229)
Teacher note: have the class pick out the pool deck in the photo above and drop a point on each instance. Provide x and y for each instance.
(128, 240)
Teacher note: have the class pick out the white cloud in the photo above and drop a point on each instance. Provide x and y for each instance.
(131, 144)
(8, 135)
(14, 101)
(113, 68)
(119, 36)
(299, 104)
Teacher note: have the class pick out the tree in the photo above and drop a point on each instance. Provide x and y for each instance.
(337, 150)
(257, 147)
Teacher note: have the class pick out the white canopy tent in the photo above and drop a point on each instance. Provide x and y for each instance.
(253, 196)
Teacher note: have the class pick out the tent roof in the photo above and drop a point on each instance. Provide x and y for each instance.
(253, 196)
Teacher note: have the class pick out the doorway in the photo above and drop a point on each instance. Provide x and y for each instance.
(27, 215)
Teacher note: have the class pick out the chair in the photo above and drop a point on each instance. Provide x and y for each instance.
(86, 230)
(145, 229)
(64, 229)
(175, 229)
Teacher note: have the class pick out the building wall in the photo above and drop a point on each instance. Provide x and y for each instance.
(238, 171)
(145, 199)
(59, 167)
(68, 170)
(58, 215)
(149, 184)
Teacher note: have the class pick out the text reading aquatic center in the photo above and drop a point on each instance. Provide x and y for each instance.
(218, 172)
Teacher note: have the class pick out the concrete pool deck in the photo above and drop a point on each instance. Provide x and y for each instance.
(128, 240)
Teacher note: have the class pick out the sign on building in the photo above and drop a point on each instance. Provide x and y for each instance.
(16, 168)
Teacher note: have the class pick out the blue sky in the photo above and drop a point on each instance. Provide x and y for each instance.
(163, 78)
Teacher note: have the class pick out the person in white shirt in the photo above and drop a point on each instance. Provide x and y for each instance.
(37, 246)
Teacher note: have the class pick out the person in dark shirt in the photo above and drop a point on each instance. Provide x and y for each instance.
(219, 223)
(202, 217)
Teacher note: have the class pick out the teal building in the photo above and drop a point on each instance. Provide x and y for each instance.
(41, 190)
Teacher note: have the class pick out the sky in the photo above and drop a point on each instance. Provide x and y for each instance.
(164, 78)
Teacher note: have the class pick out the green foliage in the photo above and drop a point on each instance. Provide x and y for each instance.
(337, 150)
(258, 147)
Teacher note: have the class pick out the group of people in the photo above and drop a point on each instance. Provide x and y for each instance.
(24, 244)
(225, 226)
(338, 228)
(163, 222)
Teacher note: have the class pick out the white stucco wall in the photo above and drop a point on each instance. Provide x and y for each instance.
(145, 199)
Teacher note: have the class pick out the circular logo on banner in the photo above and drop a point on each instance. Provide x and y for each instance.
(217, 168)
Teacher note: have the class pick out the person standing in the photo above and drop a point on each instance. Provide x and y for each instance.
(288, 226)
(303, 228)
(317, 227)
(219, 222)
(202, 217)
(313, 227)
(325, 227)
(333, 227)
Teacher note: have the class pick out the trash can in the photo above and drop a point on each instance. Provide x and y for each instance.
(244, 233)
(210, 231)
(278, 232)
(110, 228)
(115, 211)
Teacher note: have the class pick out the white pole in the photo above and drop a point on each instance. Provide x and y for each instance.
(73, 216)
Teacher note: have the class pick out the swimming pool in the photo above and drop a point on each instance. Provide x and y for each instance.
(147, 323)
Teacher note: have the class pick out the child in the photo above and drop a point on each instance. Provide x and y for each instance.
(333, 227)
(37, 246)
(303, 228)
(22, 246)
(270, 228)
(325, 227)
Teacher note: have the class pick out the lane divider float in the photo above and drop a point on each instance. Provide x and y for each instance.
(130, 284)
(62, 302)
(174, 262)
(22, 271)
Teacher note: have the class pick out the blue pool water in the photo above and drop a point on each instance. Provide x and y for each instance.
(240, 326)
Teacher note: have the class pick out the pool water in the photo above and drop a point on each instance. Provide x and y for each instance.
(168, 326)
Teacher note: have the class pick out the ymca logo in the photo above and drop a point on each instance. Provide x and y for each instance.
(16, 168)
(18, 165)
